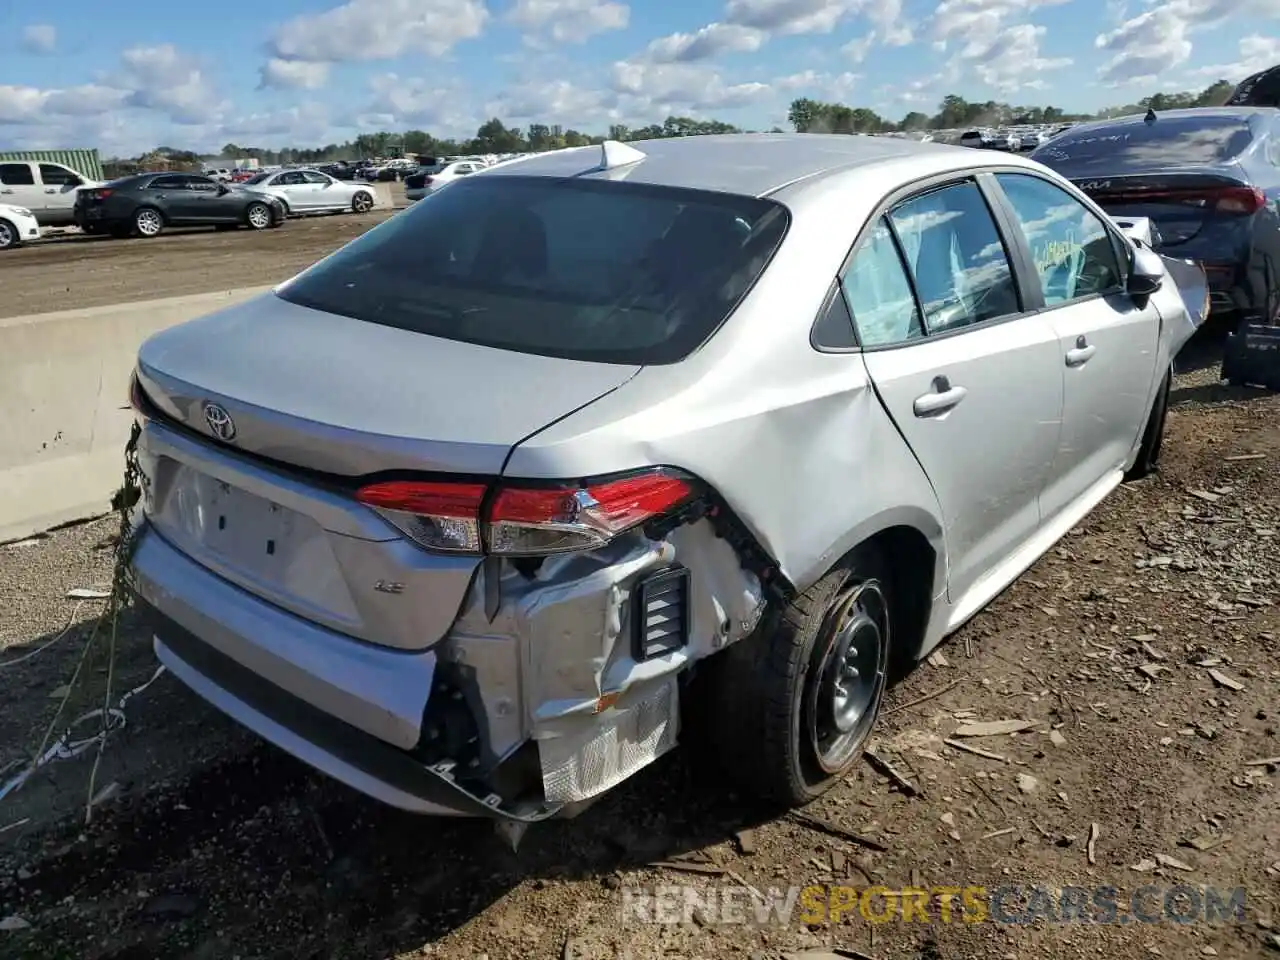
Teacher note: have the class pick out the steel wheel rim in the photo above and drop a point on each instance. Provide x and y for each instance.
(259, 217)
(844, 689)
(148, 223)
(363, 203)
(6, 235)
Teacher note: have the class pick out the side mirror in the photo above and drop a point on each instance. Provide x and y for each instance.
(1146, 272)
(223, 189)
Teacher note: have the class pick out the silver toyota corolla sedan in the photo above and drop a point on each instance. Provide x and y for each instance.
(706, 434)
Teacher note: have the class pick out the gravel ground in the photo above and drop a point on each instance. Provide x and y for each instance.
(1140, 653)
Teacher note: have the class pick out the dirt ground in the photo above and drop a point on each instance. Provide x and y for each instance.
(74, 270)
(1143, 649)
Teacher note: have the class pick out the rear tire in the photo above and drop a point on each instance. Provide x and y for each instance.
(1148, 461)
(9, 238)
(789, 709)
(257, 216)
(148, 222)
(362, 202)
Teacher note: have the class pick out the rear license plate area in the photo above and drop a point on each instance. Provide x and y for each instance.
(230, 526)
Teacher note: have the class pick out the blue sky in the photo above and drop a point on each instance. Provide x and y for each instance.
(302, 72)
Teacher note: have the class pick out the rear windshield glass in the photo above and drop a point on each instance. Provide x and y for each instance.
(257, 178)
(1169, 141)
(580, 269)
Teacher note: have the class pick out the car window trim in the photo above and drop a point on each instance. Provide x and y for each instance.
(1033, 275)
(910, 191)
(835, 290)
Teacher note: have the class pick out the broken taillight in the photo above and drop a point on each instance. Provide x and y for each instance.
(533, 519)
(137, 396)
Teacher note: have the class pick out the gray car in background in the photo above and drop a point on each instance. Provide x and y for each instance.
(473, 514)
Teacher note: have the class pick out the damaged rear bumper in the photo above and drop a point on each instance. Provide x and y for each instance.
(535, 703)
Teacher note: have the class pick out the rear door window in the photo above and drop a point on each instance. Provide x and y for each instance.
(878, 292)
(54, 175)
(608, 271)
(16, 175)
(956, 257)
(172, 182)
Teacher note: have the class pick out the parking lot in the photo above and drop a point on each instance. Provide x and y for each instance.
(1143, 647)
(74, 270)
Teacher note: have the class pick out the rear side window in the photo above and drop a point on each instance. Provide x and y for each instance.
(608, 271)
(879, 293)
(956, 257)
(58, 176)
(1074, 254)
(16, 175)
(1169, 141)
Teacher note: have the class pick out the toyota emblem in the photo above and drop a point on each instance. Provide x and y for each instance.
(220, 423)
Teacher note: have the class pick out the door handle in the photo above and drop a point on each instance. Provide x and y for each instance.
(1081, 353)
(6, 191)
(51, 190)
(943, 398)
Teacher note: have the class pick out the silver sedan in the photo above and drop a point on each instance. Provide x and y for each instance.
(699, 435)
(310, 191)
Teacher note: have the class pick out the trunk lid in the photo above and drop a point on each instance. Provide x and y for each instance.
(324, 398)
(1182, 204)
(345, 397)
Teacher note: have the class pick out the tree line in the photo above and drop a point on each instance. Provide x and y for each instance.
(805, 116)
(954, 112)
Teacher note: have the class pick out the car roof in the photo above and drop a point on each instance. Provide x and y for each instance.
(1241, 114)
(750, 164)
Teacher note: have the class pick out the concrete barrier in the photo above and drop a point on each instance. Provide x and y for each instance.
(64, 405)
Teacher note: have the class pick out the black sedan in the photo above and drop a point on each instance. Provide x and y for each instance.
(147, 203)
(1208, 179)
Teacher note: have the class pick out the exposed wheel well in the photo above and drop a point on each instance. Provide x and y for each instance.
(911, 560)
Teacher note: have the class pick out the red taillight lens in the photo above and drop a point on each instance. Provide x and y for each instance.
(560, 519)
(137, 397)
(442, 516)
(525, 520)
(1240, 200)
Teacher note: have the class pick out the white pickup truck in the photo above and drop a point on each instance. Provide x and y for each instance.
(48, 190)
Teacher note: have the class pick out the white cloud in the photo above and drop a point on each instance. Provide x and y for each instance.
(39, 38)
(1158, 39)
(294, 74)
(993, 41)
(1257, 53)
(1144, 46)
(1013, 59)
(887, 16)
(165, 79)
(790, 17)
(304, 123)
(380, 30)
(974, 24)
(569, 21)
(440, 106)
(556, 102)
(683, 86)
(837, 87)
(20, 104)
(857, 50)
(710, 41)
